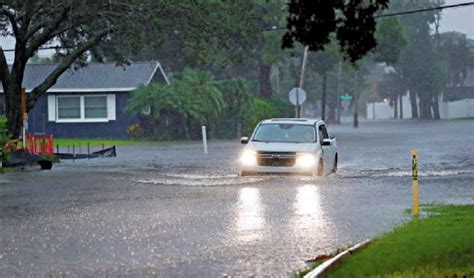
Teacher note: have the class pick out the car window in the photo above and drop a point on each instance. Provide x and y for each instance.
(323, 133)
(294, 133)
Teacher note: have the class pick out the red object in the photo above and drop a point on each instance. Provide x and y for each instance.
(40, 144)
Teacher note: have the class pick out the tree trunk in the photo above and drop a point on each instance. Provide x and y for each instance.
(323, 101)
(435, 107)
(356, 103)
(356, 115)
(332, 115)
(414, 105)
(338, 93)
(425, 108)
(186, 129)
(13, 110)
(265, 85)
(395, 108)
(401, 105)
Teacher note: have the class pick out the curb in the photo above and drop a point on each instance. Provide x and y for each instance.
(331, 262)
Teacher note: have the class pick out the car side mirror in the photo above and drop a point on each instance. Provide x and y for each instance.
(244, 140)
(326, 142)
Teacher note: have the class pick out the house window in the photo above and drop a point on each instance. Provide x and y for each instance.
(81, 108)
(69, 108)
(95, 107)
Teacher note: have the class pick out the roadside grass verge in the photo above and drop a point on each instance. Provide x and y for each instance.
(441, 245)
(65, 142)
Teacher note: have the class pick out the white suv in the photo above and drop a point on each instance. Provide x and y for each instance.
(299, 146)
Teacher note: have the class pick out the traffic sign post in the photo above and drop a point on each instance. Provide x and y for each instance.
(345, 101)
(297, 97)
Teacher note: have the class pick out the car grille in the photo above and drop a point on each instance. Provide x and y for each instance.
(276, 159)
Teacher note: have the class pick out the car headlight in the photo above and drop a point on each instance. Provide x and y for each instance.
(305, 160)
(248, 158)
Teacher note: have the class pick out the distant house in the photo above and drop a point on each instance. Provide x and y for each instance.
(88, 102)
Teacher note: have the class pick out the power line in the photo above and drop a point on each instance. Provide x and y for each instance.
(425, 10)
(41, 48)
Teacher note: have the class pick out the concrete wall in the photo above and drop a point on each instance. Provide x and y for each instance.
(448, 110)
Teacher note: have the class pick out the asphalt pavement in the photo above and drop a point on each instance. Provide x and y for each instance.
(171, 211)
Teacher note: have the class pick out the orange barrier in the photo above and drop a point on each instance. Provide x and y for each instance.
(40, 144)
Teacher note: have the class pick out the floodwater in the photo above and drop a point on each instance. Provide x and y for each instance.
(169, 210)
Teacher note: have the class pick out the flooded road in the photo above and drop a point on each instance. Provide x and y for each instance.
(169, 210)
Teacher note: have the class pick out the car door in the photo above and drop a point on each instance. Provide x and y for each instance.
(328, 151)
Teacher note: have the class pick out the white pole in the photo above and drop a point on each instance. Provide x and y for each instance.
(25, 126)
(204, 139)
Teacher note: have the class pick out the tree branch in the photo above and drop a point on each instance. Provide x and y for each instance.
(41, 89)
(4, 10)
(46, 34)
(30, 10)
(4, 72)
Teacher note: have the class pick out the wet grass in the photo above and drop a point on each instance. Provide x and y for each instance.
(64, 142)
(437, 246)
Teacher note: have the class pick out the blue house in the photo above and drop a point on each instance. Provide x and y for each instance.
(88, 102)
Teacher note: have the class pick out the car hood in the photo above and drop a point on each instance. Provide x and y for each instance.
(282, 147)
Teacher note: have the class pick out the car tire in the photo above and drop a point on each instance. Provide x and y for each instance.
(244, 174)
(334, 170)
(320, 170)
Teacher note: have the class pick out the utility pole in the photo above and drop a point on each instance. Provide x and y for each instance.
(338, 92)
(24, 116)
(356, 101)
(303, 71)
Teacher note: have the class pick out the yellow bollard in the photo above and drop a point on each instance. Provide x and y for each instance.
(414, 171)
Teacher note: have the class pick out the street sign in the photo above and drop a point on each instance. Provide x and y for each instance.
(345, 104)
(297, 96)
(346, 97)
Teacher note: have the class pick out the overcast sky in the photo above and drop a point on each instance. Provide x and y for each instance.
(456, 19)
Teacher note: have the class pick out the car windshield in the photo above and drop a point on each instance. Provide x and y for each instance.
(291, 133)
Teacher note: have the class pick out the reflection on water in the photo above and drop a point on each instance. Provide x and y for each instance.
(250, 218)
(307, 206)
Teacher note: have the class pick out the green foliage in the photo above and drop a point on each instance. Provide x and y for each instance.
(391, 39)
(203, 33)
(454, 48)
(263, 109)
(195, 98)
(94, 142)
(4, 136)
(313, 22)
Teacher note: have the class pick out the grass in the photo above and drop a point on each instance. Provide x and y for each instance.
(64, 142)
(441, 245)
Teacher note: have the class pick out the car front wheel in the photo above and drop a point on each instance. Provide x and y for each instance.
(320, 170)
(334, 170)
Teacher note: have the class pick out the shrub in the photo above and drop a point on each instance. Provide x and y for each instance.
(135, 131)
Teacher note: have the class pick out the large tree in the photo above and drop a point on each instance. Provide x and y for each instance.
(313, 22)
(455, 48)
(391, 39)
(75, 29)
(323, 62)
(420, 68)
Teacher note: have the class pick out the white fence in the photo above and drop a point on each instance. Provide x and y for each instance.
(448, 110)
